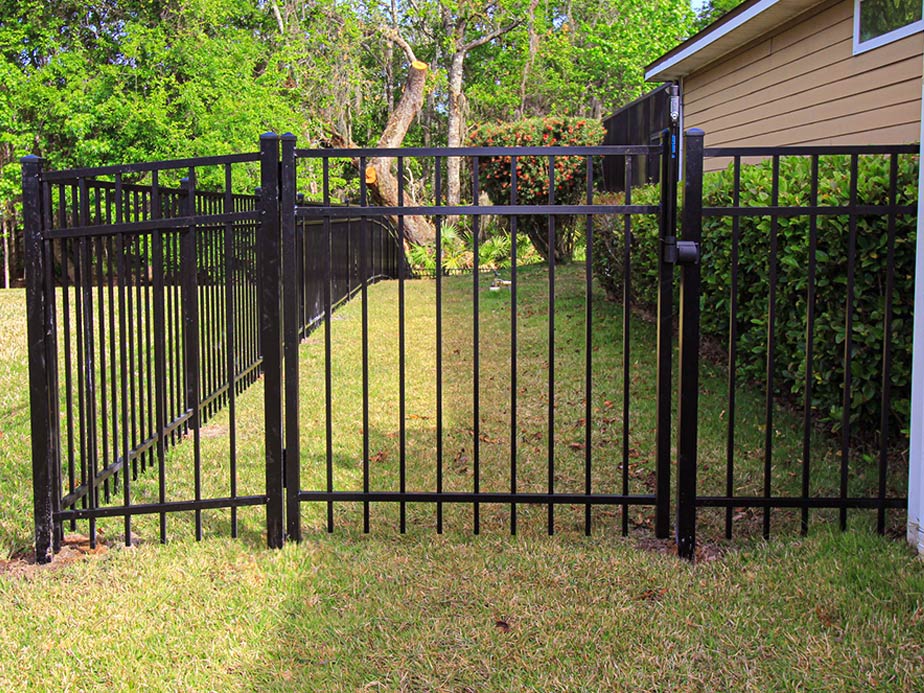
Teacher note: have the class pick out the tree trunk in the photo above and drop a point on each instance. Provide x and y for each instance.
(456, 115)
(6, 254)
(455, 124)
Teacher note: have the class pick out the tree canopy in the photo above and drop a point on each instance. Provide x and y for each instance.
(105, 81)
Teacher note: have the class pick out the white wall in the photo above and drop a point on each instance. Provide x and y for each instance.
(916, 472)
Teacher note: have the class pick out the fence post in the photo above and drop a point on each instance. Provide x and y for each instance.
(189, 288)
(271, 334)
(668, 222)
(39, 382)
(290, 305)
(691, 224)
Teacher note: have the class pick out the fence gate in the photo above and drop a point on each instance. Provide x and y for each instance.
(449, 463)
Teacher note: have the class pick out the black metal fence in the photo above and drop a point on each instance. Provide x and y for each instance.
(830, 226)
(144, 307)
(640, 122)
(404, 489)
(151, 307)
(335, 256)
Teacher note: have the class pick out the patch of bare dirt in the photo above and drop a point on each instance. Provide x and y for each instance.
(75, 547)
(213, 431)
(706, 552)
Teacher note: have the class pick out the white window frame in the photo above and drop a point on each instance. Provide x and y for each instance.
(896, 35)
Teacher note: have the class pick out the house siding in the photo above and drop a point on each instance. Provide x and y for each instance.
(803, 85)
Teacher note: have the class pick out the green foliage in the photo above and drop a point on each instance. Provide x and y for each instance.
(792, 288)
(457, 252)
(96, 83)
(533, 179)
(581, 58)
(878, 17)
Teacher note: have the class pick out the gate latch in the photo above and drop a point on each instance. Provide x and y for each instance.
(680, 252)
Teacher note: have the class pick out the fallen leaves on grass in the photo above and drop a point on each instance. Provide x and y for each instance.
(654, 594)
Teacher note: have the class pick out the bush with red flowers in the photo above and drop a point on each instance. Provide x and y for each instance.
(569, 173)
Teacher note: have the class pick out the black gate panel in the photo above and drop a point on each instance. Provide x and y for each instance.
(382, 226)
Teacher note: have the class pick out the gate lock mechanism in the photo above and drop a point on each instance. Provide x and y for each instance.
(680, 252)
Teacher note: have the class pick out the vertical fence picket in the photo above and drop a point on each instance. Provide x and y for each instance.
(848, 340)
(552, 245)
(402, 365)
(189, 281)
(665, 347)
(476, 358)
(40, 412)
(809, 350)
(290, 304)
(438, 200)
(770, 371)
(514, 433)
(626, 343)
(231, 340)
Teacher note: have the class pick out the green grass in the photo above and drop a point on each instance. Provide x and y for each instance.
(420, 612)
(15, 445)
(532, 411)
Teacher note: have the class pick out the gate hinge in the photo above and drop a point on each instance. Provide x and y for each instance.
(677, 252)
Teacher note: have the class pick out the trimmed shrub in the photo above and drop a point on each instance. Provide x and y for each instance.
(792, 273)
(533, 173)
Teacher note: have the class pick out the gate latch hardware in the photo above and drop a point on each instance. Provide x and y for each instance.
(680, 252)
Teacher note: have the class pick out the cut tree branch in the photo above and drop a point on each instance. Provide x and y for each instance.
(382, 182)
(392, 35)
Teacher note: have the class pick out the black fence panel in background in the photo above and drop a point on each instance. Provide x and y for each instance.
(638, 123)
(339, 255)
(146, 295)
(151, 309)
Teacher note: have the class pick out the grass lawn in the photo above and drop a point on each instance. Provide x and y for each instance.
(349, 611)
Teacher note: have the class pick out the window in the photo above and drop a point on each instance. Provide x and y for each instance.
(878, 22)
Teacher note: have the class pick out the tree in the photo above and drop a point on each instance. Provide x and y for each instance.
(535, 175)
(466, 25)
(104, 81)
(713, 10)
(579, 58)
(378, 171)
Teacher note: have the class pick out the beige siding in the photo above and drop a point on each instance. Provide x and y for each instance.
(803, 85)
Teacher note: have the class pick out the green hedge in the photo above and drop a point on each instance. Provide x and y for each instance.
(792, 268)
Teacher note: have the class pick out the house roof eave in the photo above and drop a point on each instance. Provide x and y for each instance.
(747, 22)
